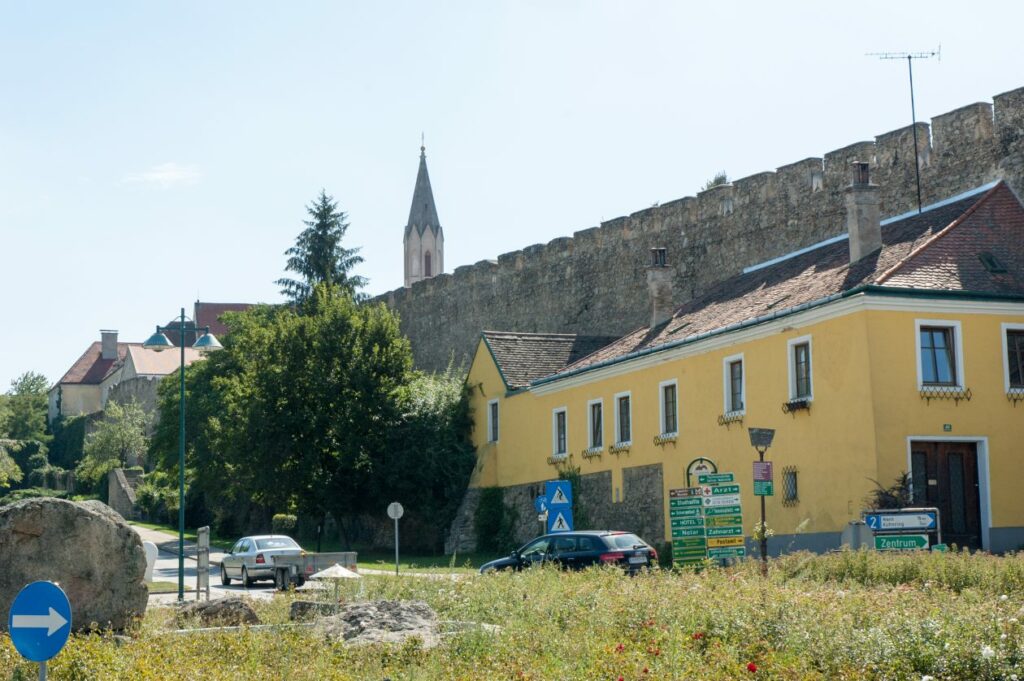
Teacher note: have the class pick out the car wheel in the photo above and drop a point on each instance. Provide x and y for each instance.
(224, 579)
(246, 579)
(281, 580)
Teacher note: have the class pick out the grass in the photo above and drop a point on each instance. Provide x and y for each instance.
(840, 616)
(162, 587)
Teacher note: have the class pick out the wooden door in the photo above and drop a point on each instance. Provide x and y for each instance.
(945, 475)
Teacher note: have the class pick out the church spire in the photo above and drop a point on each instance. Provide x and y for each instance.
(424, 239)
(423, 213)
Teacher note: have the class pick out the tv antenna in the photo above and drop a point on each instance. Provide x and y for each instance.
(910, 57)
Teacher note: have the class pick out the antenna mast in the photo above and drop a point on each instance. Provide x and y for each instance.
(910, 57)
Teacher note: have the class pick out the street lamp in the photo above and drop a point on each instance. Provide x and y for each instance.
(761, 440)
(159, 341)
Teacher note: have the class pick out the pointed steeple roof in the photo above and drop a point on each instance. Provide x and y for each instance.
(423, 213)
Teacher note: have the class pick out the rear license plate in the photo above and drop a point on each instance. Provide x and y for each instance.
(638, 560)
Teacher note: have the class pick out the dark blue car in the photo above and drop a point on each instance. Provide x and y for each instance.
(577, 550)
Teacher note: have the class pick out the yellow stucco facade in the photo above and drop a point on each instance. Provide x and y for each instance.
(867, 406)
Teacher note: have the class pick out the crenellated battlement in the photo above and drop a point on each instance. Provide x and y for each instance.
(593, 281)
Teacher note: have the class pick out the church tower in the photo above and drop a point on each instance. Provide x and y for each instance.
(424, 240)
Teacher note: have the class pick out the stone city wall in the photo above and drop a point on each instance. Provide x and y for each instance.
(594, 282)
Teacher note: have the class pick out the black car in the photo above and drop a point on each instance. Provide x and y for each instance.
(577, 550)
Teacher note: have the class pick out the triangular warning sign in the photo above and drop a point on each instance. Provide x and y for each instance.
(559, 497)
(559, 525)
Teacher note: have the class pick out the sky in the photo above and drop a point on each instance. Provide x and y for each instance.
(153, 154)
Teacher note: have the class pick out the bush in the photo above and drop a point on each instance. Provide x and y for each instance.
(37, 461)
(69, 440)
(157, 497)
(30, 493)
(283, 523)
(493, 522)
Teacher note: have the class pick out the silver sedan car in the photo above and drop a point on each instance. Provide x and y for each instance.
(252, 558)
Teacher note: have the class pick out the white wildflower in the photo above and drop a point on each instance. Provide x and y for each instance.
(1002, 637)
(926, 677)
(987, 652)
(1004, 597)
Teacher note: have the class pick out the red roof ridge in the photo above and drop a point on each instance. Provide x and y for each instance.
(889, 273)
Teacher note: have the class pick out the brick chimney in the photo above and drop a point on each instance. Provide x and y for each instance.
(108, 344)
(659, 286)
(863, 221)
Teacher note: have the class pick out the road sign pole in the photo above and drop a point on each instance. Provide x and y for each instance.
(764, 527)
(396, 547)
(42, 671)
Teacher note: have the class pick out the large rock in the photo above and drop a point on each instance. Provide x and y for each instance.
(94, 556)
(382, 622)
(225, 612)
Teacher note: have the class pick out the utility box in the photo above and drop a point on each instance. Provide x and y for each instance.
(203, 562)
(857, 535)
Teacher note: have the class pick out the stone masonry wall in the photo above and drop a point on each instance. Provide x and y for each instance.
(641, 509)
(594, 282)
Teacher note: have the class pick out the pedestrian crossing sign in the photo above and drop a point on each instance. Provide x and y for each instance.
(558, 492)
(560, 521)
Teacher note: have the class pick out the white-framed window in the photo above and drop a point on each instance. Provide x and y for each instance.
(801, 383)
(1013, 356)
(492, 421)
(623, 418)
(668, 406)
(940, 353)
(595, 423)
(734, 384)
(560, 432)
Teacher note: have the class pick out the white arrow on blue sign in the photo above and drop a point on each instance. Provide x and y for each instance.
(558, 492)
(40, 621)
(917, 520)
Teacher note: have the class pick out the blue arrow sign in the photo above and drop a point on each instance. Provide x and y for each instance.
(908, 520)
(40, 621)
(560, 519)
(540, 504)
(558, 492)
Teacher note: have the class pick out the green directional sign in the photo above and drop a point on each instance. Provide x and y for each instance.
(725, 489)
(901, 542)
(689, 553)
(692, 512)
(714, 478)
(725, 532)
(712, 511)
(689, 542)
(940, 548)
(688, 522)
(723, 520)
(685, 502)
(728, 552)
(764, 488)
(687, 532)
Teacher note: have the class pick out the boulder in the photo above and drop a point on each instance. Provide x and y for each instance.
(94, 556)
(223, 612)
(382, 622)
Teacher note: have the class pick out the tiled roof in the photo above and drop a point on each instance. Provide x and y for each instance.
(208, 314)
(938, 249)
(91, 368)
(525, 357)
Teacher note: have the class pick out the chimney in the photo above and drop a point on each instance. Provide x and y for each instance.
(863, 222)
(108, 344)
(659, 286)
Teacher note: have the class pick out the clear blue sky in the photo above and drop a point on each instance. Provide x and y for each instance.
(153, 153)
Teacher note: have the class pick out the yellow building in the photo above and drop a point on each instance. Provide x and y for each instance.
(898, 347)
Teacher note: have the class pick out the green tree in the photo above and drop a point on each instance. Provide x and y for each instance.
(318, 255)
(119, 440)
(26, 403)
(296, 410)
(10, 472)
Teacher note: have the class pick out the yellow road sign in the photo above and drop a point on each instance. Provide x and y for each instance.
(714, 542)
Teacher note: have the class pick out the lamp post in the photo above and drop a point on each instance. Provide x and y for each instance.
(159, 341)
(761, 440)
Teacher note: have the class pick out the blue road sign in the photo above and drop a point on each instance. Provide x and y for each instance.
(40, 621)
(540, 504)
(895, 521)
(559, 493)
(560, 519)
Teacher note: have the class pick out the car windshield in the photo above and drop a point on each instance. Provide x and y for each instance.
(276, 543)
(625, 541)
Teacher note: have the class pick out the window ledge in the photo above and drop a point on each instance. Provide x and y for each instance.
(796, 404)
(665, 438)
(1015, 395)
(592, 452)
(945, 392)
(558, 458)
(731, 417)
(619, 447)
